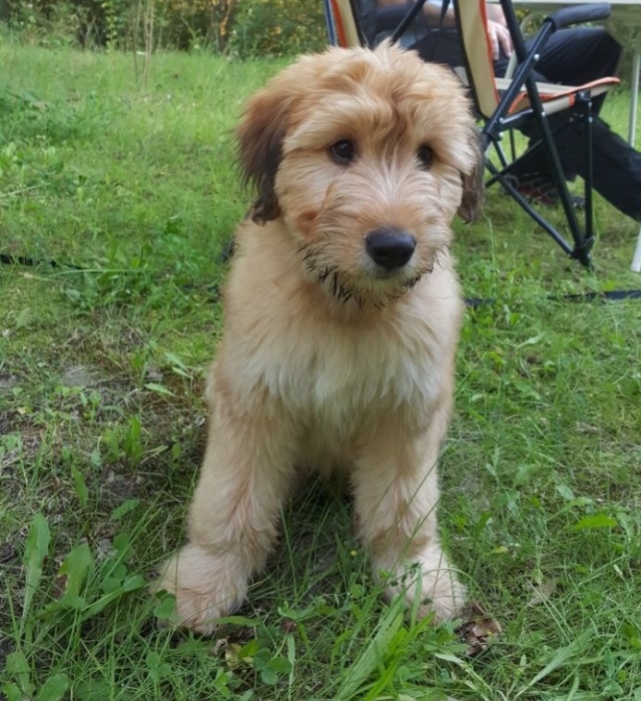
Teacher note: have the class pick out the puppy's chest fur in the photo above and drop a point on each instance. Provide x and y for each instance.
(337, 380)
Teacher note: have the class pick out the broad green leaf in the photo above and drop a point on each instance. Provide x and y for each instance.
(596, 521)
(109, 585)
(18, 667)
(532, 341)
(80, 486)
(159, 389)
(76, 567)
(221, 683)
(157, 668)
(448, 657)
(36, 550)
(24, 318)
(166, 607)
(97, 606)
(122, 544)
(281, 665)
(12, 692)
(238, 621)
(133, 582)
(132, 445)
(97, 690)
(124, 508)
(268, 674)
(54, 688)
(178, 366)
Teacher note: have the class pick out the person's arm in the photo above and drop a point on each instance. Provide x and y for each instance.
(495, 13)
(499, 38)
(497, 30)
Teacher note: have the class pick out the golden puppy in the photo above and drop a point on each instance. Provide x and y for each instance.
(342, 316)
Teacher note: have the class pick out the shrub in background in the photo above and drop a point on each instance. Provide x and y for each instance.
(195, 24)
(84, 23)
(243, 29)
(277, 27)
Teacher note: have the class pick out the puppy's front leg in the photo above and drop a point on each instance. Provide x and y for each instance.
(234, 513)
(396, 495)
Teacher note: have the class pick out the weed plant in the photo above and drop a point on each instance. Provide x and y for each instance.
(116, 200)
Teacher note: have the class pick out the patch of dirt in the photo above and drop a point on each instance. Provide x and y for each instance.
(478, 630)
(8, 553)
(117, 487)
(7, 382)
(81, 376)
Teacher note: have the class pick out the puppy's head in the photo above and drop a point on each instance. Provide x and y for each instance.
(366, 156)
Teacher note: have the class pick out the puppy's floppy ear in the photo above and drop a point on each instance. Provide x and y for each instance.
(473, 184)
(260, 136)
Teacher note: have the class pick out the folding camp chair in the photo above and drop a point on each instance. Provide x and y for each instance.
(508, 104)
(343, 21)
(636, 260)
(505, 105)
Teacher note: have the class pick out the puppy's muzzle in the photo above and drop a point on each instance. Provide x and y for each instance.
(390, 248)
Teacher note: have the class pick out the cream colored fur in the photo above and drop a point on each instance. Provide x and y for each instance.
(326, 360)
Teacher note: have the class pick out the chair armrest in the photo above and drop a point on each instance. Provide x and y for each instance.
(579, 14)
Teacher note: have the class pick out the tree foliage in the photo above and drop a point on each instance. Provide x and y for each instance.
(242, 28)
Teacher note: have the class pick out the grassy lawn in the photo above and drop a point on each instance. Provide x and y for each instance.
(130, 188)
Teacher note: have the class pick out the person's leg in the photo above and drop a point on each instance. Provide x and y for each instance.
(441, 46)
(571, 56)
(616, 165)
(616, 172)
(579, 55)
(574, 56)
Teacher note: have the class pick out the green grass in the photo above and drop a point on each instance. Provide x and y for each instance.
(101, 425)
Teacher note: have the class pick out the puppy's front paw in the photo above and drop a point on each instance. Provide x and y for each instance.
(430, 579)
(442, 594)
(206, 587)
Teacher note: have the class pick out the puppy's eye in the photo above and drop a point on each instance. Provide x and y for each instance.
(342, 152)
(425, 156)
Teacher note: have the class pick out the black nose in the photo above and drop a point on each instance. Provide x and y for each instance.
(390, 248)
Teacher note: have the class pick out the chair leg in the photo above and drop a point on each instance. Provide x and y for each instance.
(585, 106)
(582, 242)
(636, 261)
(582, 238)
(499, 176)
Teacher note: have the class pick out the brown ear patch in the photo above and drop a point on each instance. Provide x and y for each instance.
(473, 184)
(260, 136)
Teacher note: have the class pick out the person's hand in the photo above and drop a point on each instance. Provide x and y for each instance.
(500, 39)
